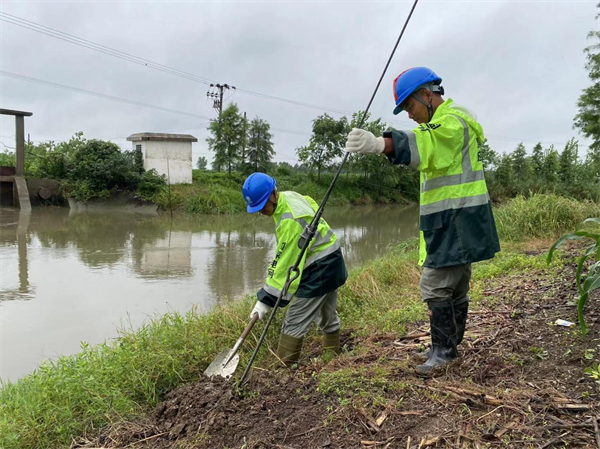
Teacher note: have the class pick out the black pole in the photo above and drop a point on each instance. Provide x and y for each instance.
(311, 229)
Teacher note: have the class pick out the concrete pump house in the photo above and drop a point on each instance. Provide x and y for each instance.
(168, 154)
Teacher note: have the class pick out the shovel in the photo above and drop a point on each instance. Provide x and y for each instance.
(227, 361)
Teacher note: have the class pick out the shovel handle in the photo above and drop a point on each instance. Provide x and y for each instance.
(250, 326)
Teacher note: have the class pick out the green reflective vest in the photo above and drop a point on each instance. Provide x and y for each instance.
(322, 268)
(456, 220)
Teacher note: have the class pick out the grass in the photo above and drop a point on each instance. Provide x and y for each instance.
(542, 215)
(217, 193)
(122, 379)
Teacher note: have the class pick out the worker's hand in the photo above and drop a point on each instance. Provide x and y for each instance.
(364, 142)
(261, 308)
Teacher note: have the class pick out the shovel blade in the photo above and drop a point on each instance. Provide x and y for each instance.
(218, 367)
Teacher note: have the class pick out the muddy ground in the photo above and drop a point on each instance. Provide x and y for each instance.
(520, 383)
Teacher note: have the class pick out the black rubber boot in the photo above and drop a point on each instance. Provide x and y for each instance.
(443, 334)
(460, 315)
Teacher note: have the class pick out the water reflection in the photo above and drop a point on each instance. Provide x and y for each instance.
(69, 277)
(16, 232)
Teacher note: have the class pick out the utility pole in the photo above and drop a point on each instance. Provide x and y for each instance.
(216, 93)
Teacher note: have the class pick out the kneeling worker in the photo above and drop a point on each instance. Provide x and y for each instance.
(322, 269)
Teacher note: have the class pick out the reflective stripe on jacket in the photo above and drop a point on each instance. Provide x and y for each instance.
(457, 224)
(322, 269)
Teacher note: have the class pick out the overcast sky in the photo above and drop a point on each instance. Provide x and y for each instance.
(518, 65)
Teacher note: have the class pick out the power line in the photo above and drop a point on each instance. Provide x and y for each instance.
(33, 26)
(18, 21)
(120, 99)
(97, 94)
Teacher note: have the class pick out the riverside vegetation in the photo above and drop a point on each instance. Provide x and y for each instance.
(105, 395)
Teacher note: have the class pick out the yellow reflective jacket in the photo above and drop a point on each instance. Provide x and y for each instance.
(322, 269)
(456, 220)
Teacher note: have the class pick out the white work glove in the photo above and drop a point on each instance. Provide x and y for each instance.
(364, 142)
(261, 308)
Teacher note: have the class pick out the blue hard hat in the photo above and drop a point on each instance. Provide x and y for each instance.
(409, 81)
(257, 190)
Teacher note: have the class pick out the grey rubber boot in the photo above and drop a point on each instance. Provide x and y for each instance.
(331, 342)
(443, 334)
(289, 348)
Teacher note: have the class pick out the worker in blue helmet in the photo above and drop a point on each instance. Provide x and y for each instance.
(322, 268)
(456, 220)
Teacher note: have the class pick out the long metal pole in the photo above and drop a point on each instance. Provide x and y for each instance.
(311, 229)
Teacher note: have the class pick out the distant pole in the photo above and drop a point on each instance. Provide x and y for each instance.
(218, 104)
(244, 140)
(20, 141)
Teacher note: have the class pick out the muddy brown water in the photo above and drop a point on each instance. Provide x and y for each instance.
(67, 278)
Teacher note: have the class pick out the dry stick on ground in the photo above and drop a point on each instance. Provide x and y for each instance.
(596, 431)
(554, 440)
(146, 439)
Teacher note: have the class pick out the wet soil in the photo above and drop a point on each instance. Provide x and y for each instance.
(520, 383)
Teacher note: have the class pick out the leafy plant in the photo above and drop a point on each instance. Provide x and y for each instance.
(592, 280)
(594, 372)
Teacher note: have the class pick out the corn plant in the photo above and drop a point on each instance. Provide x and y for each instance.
(592, 280)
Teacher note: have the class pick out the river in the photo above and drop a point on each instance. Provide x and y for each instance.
(68, 277)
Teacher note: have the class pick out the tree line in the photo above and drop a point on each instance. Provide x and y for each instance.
(248, 147)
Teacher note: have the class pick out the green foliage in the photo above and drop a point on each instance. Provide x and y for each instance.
(592, 252)
(201, 163)
(260, 145)
(541, 215)
(7, 159)
(151, 184)
(227, 138)
(594, 372)
(90, 169)
(326, 143)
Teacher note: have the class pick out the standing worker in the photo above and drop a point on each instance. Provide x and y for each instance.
(456, 221)
(321, 271)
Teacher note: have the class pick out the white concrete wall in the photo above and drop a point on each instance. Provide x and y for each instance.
(178, 155)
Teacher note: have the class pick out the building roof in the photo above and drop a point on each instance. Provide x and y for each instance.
(162, 137)
(18, 113)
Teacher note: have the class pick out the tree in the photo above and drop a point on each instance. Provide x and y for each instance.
(227, 138)
(201, 163)
(537, 161)
(521, 166)
(260, 147)
(488, 157)
(568, 163)
(552, 166)
(505, 174)
(588, 118)
(326, 143)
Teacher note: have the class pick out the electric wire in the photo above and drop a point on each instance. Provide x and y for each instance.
(33, 26)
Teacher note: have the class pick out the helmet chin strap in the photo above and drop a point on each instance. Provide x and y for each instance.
(432, 88)
(428, 105)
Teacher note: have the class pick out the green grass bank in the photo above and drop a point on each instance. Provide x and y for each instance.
(219, 193)
(122, 379)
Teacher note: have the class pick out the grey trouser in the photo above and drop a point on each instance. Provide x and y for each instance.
(446, 284)
(303, 311)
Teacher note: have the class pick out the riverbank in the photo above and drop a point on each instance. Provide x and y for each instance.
(339, 400)
(218, 193)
